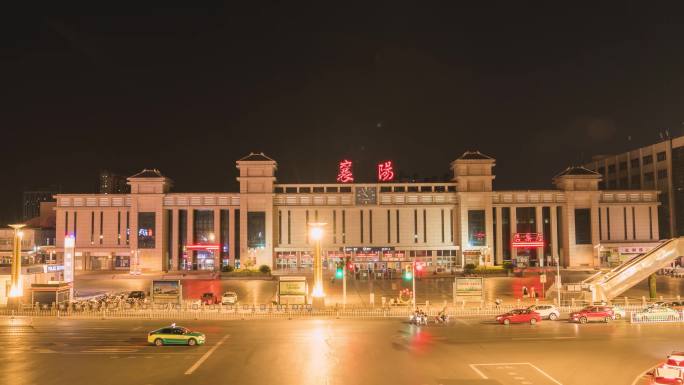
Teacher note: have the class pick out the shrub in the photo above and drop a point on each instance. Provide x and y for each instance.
(265, 269)
(508, 266)
(469, 268)
(227, 268)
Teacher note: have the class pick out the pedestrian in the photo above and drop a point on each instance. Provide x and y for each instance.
(498, 303)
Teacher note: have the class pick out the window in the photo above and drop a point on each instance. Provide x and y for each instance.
(636, 182)
(146, 230)
(648, 177)
(476, 228)
(451, 188)
(608, 222)
(182, 235)
(650, 223)
(425, 188)
(634, 163)
(623, 166)
(280, 227)
(399, 189)
(611, 169)
(424, 226)
(203, 226)
(415, 226)
(385, 189)
(662, 174)
(440, 189)
(633, 223)
(318, 189)
(451, 225)
(118, 228)
(291, 190)
(169, 240)
(101, 225)
(289, 226)
(370, 226)
(583, 226)
(389, 232)
(225, 235)
(624, 183)
(344, 226)
(345, 189)
(334, 226)
(256, 229)
(442, 224)
(602, 170)
(236, 229)
(92, 227)
(305, 190)
(361, 225)
(278, 190)
(128, 226)
(397, 226)
(648, 159)
(612, 184)
(412, 189)
(661, 156)
(526, 220)
(66, 223)
(332, 190)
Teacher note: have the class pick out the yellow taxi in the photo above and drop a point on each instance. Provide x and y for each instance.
(175, 335)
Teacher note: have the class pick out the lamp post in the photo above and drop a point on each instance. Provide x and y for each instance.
(558, 281)
(316, 234)
(16, 289)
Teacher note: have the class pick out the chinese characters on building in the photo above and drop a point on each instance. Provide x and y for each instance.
(344, 174)
(385, 171)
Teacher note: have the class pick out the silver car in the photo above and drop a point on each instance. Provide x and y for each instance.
(546, 311)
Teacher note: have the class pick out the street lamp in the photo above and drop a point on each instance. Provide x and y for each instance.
(316, 234)
(16, 289)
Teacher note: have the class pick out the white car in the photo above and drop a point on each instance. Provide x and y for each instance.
(546, 311)
(229, 298)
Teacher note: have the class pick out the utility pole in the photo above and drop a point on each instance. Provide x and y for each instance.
(413, 272)
(344, 284)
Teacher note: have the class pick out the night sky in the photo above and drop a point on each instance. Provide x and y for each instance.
(191, 90)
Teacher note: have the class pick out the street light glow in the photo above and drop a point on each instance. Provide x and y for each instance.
(316, 233)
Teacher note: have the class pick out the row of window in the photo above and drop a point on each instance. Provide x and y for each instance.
(362, 222)
(101, 227)
(624, 224)
(634, 163)
(635, 180)
(348, 189)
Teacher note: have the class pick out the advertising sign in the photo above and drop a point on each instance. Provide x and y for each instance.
(292, 290)
(166, 291)
(69, 244)
(469, 288)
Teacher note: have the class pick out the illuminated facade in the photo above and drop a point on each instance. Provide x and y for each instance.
(375, 226)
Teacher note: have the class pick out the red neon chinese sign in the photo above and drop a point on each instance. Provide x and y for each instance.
(344, 175)
(528, 240)
(385, 171)
(203, 246)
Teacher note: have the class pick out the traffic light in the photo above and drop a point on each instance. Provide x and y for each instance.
(339, 273)
(408, 272)
(419, 266)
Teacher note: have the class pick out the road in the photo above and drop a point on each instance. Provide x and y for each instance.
(435, 290)
(330, 352)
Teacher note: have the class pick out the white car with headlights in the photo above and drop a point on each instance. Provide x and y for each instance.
(229, 298)
(546, 311)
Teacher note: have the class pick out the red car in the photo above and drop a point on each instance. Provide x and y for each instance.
(519, 316)
(208, 299)
(592, 313)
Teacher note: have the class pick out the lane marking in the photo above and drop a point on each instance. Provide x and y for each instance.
(206, 355)
(474, 367)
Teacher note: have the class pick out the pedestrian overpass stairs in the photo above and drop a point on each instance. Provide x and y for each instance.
(604, 286)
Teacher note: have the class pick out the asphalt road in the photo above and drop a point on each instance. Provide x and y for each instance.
(330, 352)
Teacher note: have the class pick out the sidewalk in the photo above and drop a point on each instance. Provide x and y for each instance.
(115, 274)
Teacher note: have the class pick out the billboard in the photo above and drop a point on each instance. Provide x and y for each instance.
(470, 288)
(166, 291)
(292, 290)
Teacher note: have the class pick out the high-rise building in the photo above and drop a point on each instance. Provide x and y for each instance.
(32, 199)
(112, 183)
(658, 166)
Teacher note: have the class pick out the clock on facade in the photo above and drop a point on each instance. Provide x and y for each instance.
(366, 195)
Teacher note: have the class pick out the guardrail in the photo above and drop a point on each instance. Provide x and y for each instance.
(653, 318)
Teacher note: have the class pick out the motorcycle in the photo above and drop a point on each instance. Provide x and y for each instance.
(418, 319)
(442, 319)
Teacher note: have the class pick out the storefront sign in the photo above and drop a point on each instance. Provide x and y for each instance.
(207, 246)
(635, 249)
(527, 240)
(366, 250)
(344, 174)
(53, 268)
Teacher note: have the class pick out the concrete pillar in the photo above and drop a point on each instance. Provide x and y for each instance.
(489, 236)
(190, 237)
(174, 241)
(553, 237)
(514, 229)
(498, 233)
(538, 220)
(231, 237)
(217, 238)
